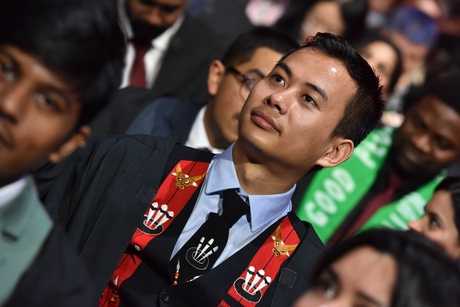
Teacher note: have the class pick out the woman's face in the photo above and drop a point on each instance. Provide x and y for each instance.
(382, 58)
(324, 16)
(438, 225)
(362, 277)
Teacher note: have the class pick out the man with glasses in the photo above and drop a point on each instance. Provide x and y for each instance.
(214, 126)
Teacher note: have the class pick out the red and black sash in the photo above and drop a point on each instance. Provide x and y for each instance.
(172, 196)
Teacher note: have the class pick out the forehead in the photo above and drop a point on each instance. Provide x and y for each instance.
(263, 58)
(313, 67)
(366, 270)
(441, 201)
(441, 115)
(377, 48)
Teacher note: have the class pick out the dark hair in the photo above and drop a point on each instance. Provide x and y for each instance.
(372, 37)
(444, 87)
(353, 12)
(364, 109)
(426, 275)
(452, 185)
(243, 47)
(79, 40)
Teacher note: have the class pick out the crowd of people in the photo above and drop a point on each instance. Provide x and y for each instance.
(229, 153)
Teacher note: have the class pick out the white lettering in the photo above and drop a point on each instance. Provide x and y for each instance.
(315, 217)
(398, 223)
(334, 190)
(344, 178)
(409, 207)
(325, 202)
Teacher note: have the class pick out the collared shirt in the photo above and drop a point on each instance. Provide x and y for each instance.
(264, 209)
(198, 138)
(10, 191)
(25, 226)
(154, 57)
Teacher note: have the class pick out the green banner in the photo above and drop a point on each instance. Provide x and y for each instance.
(334, 192)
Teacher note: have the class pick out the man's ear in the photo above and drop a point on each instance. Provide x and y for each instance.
(340, 150)
(77, 140)
(215, 76)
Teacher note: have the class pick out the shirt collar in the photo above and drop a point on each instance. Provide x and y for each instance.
(11, 191)
(264, 209)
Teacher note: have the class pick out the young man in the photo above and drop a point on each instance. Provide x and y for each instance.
(214, 126)
(390, 177)
(134, 205)
(58, 65)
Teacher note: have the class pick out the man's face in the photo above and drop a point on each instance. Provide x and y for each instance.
(428, 140)
(230, 92)
(290, 114)
(38, 112)
(150, 18)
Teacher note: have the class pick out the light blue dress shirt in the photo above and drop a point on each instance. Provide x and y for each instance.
(264, 209)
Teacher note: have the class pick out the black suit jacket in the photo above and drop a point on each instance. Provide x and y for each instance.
(103, 190)
(183, 74)
(166, 116)
(56, 278)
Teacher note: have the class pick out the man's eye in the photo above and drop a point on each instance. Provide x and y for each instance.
(6, 71)
(326, 287)
(278, 79)
(310, 100)
(48, 103)
(433, 222)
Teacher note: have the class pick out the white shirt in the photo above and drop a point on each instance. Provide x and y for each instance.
(154, 57)
(12, 190)
(198, 138)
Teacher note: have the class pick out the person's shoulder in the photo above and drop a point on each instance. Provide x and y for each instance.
(182, 152)
(132, 142)
(68, 282)
(307, 232)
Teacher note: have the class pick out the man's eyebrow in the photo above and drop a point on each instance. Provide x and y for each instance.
(371, 300)
(14, 62)
(60, 92)
(285, 67)
(335, 277)
(314, 87)
(257, 72)
(317, 89)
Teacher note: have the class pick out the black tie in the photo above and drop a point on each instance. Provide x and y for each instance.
(201, 251)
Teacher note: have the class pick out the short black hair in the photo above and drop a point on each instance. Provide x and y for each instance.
(354, 13)
(426, 275)
(79, 40)
(245, 45)
(364, 109)
(443, 86)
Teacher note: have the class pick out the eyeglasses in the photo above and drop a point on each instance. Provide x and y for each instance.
(247, 81)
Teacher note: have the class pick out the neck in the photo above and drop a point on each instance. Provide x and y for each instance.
(261, 176)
